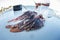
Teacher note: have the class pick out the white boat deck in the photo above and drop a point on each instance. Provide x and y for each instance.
(50, 31)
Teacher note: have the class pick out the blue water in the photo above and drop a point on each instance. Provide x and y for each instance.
(50, 31)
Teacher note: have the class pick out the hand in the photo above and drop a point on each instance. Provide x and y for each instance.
(37, 4)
